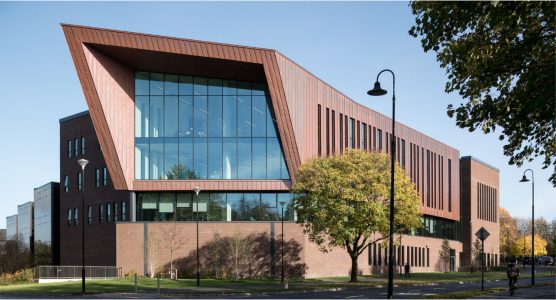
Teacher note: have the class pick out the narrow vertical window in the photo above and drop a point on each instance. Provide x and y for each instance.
(327, 131)
(403, 154)
(79, 181)
(352, 133)
(89, 215)
(100, 213)
(346, 129)
(124, 211)
(69, 216)
(364, 135)
(341, 134)
(82, 145)
(76, 147)
(108, 212)
(97, 177)
(428, 179)
(70, 149)
(358, 135)
(379, 135)
(66, 183)
(104, 176)
(333, 132)
(76, 216)
(115, 211)
(319, 132)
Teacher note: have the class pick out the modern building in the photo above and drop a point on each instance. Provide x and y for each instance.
(167, 115)
(46, 224)
(479, 206)
(25, 230)
(11, 227)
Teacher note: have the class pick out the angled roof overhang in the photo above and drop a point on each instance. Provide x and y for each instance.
(106, 61)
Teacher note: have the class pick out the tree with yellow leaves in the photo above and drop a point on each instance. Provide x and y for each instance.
(344, 201)
(523, 246)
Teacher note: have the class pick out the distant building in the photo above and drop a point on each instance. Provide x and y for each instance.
(11, 228)
(46, 224)
(25, 224)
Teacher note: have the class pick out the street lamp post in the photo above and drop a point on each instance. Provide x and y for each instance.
(282, 277)
(525, 179)
(83, 163)
(378, 91)
(197, 190)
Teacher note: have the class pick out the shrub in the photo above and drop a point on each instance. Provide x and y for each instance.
(21, 276)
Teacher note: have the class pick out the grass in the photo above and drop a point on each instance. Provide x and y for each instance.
(126, 285)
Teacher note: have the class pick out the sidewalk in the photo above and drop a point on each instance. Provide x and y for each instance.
(540, 292)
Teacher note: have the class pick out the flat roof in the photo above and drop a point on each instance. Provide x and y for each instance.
(74, 116)
(48, 183)
(469, 157)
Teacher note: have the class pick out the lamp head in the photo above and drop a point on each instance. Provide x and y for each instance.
(83, 163)
(282, 203)
(377, 90)
(524, 179)
(197, 190)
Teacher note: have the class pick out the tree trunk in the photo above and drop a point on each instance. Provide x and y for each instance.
(353, 268)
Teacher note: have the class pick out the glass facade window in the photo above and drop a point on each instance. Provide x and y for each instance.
(76, 147)
(44, 201)
(69, 216)
(82, 145)
(97, 177)
(89, 215)
(100, 213)
(66, 183)
(225, 207)
(364, 136)
(439, 228)
(70, 149)
(115, 211)
(108, 212)
(352, 133)
(124, 211)
(76, 216)
(104, 176)
(189, 127)
(79, 181)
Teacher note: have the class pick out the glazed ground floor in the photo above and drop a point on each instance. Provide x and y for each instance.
(254, 249)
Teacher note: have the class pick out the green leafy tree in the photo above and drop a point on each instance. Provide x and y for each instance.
(476, 254)
(499, 56)
(444, 254)
(344, 202)
(508, 231)
(180, 171)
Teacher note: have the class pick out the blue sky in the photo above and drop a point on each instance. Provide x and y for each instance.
(345, 44)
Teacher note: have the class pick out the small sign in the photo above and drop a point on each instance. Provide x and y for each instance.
(482, 234)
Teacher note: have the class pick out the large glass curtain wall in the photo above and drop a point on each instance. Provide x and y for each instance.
(189, 127)
(182, 206)
(439, 228)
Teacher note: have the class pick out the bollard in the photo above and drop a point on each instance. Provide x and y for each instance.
(136, 283)
(158, 284)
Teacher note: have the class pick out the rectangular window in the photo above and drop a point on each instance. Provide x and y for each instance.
(66, 183)
(364, 136)
(341, 134)
(79, 181)
(100, 213)
(108, 212)
(76, 216)
(69, 216)
(333, 132)
(379, 135)
(76, 147)
(82, 145)
(428, 257)
(115, 211)
(374, 254)
(379, 252)
(97, 177)
(70, 149)
(352, 133)
(319, 132)
(327, 131)
(428, 178)
(358, 135)
(403, 154)
(403, 255)
(346, 129)
(124, 211)
(104, 176)
(89, 215)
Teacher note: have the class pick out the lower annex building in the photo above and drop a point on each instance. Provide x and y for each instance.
(167, 115)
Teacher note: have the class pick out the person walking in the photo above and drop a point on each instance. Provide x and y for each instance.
(406, 269)
(513, 273)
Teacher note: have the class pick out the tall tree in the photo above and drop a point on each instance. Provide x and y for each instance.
(523, 247)
(173, 240)
(499, 56)
(476, 254)
(508, 231)
(344, 202)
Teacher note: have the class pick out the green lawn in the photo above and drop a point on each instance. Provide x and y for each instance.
(126, 285)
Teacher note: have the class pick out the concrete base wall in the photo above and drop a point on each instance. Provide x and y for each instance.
(302, 257)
